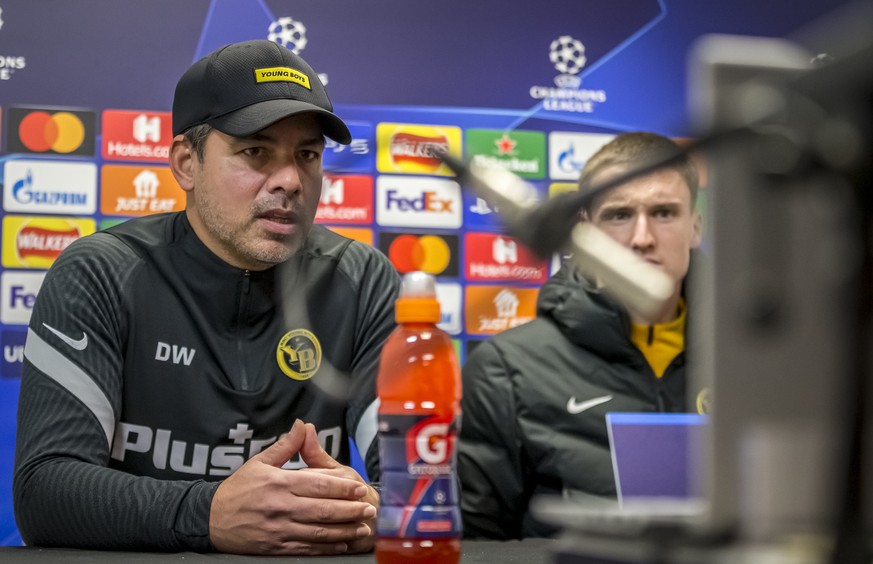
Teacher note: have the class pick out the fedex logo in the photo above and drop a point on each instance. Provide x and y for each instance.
(405, 201)
(18, 291)
(428, 201)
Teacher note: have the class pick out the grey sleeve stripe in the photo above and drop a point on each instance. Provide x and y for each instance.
(367, 426)
(75, 380)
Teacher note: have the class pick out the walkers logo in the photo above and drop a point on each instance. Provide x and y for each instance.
(491, 309)
(521, 152)
(357, 156)
(567, 54)
(346, 199)
(412, 148)
(135, 190)
(50, 130)
(449, 297)
(299, 354)
(52, 187)
(35, 242)
(355, 233)
(13, 353)
(568, 152)
(434, 254)
(18, 291)
(404, 201)
(491, 257)
(137, 136)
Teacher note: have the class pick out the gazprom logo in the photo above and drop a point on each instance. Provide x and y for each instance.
(405, 201)
(50, 187)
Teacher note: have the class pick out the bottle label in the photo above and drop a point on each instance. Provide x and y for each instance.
(419, 489)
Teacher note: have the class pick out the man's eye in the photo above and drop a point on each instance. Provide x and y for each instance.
(253, 151)
(309, 156)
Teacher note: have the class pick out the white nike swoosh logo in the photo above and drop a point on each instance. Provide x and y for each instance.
(79, 344)
(574, 408)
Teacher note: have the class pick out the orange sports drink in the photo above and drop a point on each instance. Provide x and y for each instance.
(419, 388)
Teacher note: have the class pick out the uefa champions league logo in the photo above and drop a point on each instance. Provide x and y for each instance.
(568, 56)
(288, 33)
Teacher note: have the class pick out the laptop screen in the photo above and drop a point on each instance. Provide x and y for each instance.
(655, 455)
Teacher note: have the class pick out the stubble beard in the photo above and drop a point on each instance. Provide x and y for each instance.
(246, 240)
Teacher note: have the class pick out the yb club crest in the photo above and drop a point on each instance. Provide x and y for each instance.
(298, 354)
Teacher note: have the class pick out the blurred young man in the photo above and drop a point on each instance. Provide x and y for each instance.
(535, 396)
(171, 360)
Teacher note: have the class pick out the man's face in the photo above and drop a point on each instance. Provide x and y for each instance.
(653, 217)
(253, 199)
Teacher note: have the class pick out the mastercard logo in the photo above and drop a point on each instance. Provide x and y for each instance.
(62, 132)
(433, 254)
(51, 131)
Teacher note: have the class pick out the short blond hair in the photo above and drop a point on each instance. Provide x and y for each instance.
(638, 149)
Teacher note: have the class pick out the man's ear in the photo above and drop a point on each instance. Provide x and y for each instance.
(697, 233)
(182, 162)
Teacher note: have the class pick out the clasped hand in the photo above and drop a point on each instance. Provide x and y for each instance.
(326, 508)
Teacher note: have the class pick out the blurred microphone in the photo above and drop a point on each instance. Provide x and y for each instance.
(554, 226)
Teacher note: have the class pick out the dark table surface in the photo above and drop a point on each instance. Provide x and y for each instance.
(528, 551)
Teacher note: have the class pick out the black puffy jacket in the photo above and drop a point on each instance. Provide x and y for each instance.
(534, 405)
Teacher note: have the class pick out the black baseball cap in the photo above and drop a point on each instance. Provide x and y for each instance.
(244, 87)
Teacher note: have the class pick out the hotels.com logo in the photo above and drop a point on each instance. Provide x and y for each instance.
(492, 257)
(137, 136)
(346, 199)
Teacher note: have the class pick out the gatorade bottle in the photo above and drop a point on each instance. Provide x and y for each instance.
(419, 388)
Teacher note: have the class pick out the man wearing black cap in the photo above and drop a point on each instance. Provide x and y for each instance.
(171, 360)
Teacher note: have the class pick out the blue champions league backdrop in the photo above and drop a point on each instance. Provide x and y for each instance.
(86, 88)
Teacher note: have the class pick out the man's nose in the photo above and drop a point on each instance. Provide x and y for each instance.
(286, 178)
(642, 233)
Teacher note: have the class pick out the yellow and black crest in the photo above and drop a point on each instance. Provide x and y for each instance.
(299, 354)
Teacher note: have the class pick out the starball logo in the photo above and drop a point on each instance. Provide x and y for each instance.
(567, 54)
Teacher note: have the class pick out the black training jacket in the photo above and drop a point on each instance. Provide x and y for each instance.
(153, 369)
(535, 399)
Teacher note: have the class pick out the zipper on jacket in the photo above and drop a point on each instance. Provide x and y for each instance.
(241, 328)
